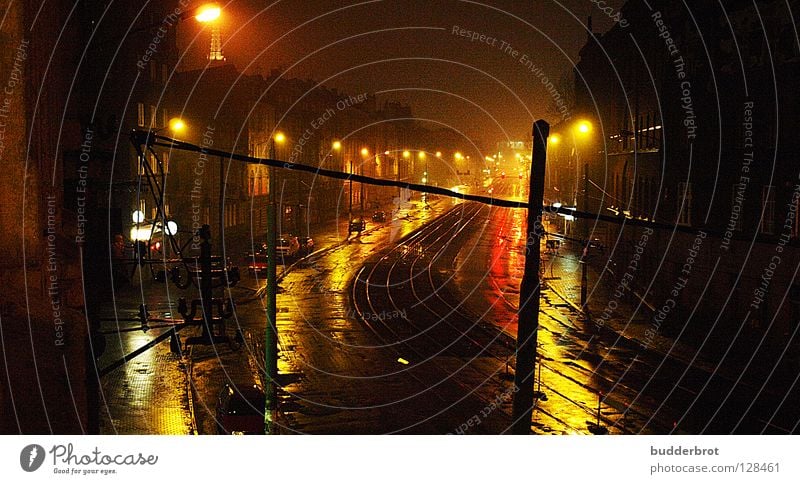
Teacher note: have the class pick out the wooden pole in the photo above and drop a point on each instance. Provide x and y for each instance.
(528, 323)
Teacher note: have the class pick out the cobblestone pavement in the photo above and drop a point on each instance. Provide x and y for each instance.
(147, 395)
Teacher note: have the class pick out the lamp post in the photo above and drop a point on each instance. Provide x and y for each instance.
(582, 130)
(271, 332)
(364, 156)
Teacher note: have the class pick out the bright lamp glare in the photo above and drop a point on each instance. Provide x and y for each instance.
(140, 234)
(208, 13)
(137, 216)
(584, 127)
(177, 125)
(172, 227)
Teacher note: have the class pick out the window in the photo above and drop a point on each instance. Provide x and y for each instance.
(684, 197)
(768, 206)
(153, 71)
(165, 162)
(164, 118)
(153, 118)
(164, 73)
(140, 114)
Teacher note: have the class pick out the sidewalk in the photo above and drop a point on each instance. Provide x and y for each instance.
(148, 395)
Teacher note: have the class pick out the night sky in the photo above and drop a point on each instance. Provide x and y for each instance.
(408, 47)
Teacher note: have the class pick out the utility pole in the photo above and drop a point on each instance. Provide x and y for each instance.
(271, 336)
(528, 316)
(221, 200)
(585, 238)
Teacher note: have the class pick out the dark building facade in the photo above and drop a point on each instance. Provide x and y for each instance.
(694, 121)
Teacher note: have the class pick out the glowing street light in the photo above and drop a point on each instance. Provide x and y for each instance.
(459, 156)
(177, 126)
(364, 152)
(584, 127)
(406, 154)
(421, 155)
(208, 13)
(279, 137)
(336, 145)
(137, 216)
(438, 154)
(555, 139)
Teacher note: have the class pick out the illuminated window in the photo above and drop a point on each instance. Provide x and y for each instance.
(165, 162)
(684, 197)
(140, 114)
(768, 205)
(164, 73)
(153, 118)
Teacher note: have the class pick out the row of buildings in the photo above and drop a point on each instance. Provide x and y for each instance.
(78, 78)
(689, 119)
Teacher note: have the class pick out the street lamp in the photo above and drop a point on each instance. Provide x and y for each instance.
(582, 129)
(336, 145)
(177, 126)
(208, 13)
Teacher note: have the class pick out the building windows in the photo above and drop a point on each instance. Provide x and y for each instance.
(140, 114)
(768, 207)
(153, 117)
(164, 73)
(164, 118)
(684, 197)
(165, 162)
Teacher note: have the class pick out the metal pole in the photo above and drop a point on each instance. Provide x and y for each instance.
(361, 195)
(206, 293)
(350, 210)
(528, 322)
(271, 334)
(585, 238)
(221, 199)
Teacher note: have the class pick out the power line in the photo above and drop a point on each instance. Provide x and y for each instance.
(139, 138)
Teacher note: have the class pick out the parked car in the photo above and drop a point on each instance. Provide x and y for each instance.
(357, 225)
(306, 246)
(240, 410)
(379, 216)
(287, 246)
(257, 260)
